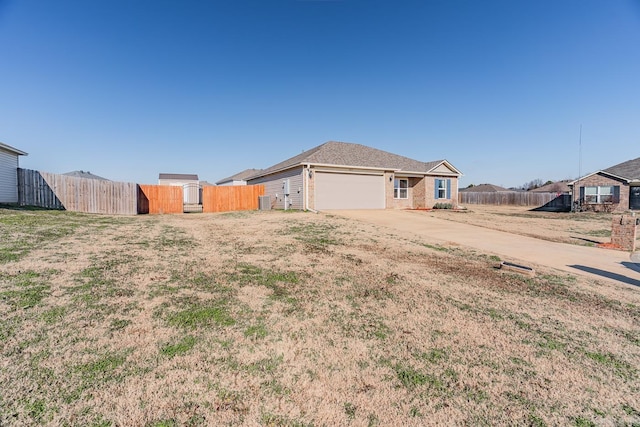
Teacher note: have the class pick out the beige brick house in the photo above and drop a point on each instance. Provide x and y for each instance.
(342, 175)
(615, 189)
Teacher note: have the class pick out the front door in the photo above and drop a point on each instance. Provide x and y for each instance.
(634, 198)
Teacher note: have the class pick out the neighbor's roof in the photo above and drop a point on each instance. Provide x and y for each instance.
(336, 153)
(554, 187)
(629, 170)
(11, 149)
(240, 176)
(625, 171)
(484, 188)
(84, 174)
(185, 176)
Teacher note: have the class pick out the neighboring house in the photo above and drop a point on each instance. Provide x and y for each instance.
(85, 175)
(9, 173)
(189, 182)
(484, 188)
(341, 175)
(613, 189)
(238, 179)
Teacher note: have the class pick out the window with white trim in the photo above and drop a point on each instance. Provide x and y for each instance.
(400, 188)
(442, 188)
(601, 194)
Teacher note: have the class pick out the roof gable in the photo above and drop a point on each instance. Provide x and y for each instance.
(336, 153)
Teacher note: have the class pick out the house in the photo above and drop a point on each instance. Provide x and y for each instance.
(616, 188)
(9, 173)
(192, 191)
(238, 179)
(484, 188)
(85, 175)
(341, 175)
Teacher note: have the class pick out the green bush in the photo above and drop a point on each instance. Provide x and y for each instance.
(443, 206)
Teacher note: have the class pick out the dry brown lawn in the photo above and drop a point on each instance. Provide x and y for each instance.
(297, 319)
(584, 228)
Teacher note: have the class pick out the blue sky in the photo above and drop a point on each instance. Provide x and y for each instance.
(130, 88)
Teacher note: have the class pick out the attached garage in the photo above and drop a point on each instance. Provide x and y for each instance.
(348, 191)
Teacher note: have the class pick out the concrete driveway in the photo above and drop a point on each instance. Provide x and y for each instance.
(605, 264)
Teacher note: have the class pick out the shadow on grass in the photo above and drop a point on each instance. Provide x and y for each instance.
(610, 275)
(13, 207)
(595, 242)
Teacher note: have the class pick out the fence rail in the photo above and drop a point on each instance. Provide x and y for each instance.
(516, 198)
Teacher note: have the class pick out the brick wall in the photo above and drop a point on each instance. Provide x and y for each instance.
(624, 231)
(419, 193)
(430, 189)
(598, 180)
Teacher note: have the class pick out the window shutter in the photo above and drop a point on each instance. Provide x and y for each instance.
(616, 194)
(448, 189)
(582, 194)
(437, 184)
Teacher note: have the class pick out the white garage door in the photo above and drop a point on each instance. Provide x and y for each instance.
(348, 191)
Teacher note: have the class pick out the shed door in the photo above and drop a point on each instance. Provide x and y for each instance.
(348, 191)
(634, 198)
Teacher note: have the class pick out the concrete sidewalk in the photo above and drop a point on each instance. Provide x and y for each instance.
(592, 262)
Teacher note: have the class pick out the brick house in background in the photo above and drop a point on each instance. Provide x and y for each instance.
(615, 189)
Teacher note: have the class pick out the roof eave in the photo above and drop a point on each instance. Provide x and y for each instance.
(13, 149)
(627, 180)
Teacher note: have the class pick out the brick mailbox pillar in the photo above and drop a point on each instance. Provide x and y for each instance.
(624, 232)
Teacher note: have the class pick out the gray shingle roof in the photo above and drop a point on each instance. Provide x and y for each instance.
(185, 176)
(240, 176)
(349, 154)
(554, 187)
(484, 188)
(629, 169)
(84, 174)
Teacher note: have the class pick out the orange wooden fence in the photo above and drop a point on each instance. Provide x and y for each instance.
(160, 199)
(231, 198)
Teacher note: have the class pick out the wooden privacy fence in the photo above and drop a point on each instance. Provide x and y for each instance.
(160, 199)
(33, 190)
(49, 190)
(514, 198)
(52, 191)
(231, 198)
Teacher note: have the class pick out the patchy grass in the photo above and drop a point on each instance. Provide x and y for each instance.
(288, 319)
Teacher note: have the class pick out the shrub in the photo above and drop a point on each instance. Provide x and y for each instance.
(443, 206)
